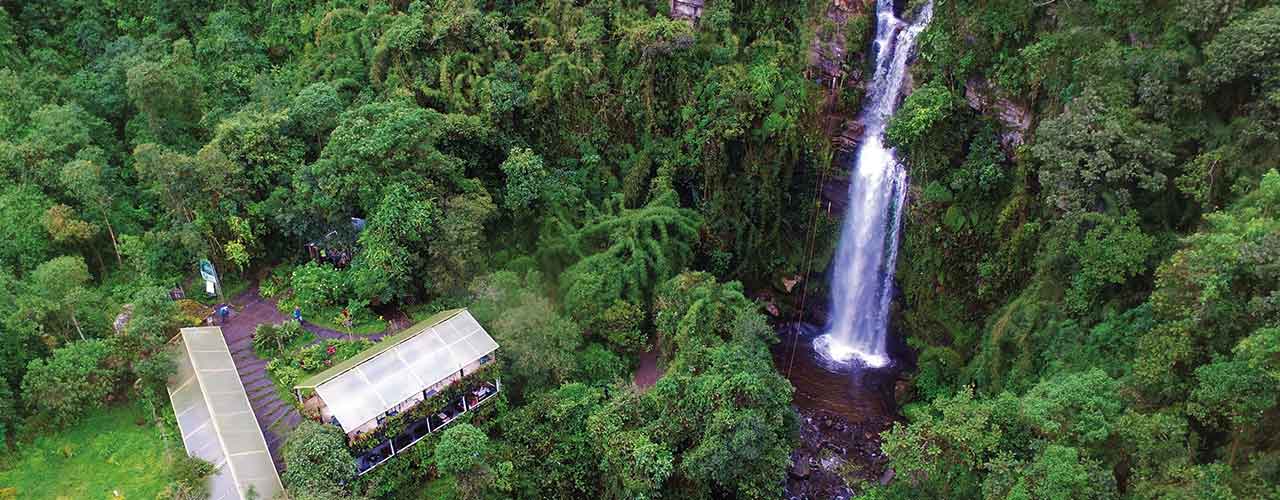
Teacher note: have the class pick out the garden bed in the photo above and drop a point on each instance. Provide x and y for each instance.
(286, 369)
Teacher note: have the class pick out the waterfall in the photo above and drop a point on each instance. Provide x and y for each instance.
(862, 279)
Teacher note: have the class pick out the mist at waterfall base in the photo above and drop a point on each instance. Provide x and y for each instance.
(863, 265)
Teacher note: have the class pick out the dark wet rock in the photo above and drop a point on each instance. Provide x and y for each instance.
(800, 471)
(686, 9)
(902, 390)
(850, 136)
(841, 416)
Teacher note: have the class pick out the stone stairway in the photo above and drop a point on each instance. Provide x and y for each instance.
(276, 417)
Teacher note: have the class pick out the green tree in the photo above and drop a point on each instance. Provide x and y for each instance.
(75, 379)
(553, 450)
(59, 292)
(528, 180)
(1097, 153)
(94, 185)
(461, 454)
(540, 343)
(23, 241)
(317, 461)
(624, 253)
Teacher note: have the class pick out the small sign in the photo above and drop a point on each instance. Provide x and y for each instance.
(210, 288)
(207, 271)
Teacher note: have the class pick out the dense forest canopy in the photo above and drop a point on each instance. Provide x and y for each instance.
(1089, 271)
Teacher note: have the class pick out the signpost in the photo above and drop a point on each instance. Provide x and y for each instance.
(210, 275)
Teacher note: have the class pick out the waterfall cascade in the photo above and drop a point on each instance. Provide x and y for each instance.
(862, 279)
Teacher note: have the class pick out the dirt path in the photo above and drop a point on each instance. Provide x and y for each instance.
(647, 373)
(276, 417)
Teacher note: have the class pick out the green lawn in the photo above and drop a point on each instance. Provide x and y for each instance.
(107, 452)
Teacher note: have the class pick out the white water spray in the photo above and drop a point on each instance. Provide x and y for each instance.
(862, 281)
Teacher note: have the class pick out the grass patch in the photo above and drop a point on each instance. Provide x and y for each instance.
(106, 452)
(363, 329)
(443, 488)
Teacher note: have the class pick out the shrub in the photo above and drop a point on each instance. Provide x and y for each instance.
(190, 476)
(316, 287)
(316, 459)
(270, 340)
(77, 377)
(276, 283)
(621, 324)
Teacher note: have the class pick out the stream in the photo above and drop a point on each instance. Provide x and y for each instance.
(844, 372)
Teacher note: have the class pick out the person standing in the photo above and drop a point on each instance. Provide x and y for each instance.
(297, 314)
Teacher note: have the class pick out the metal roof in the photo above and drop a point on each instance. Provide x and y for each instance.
(215, 418)
(400, 367)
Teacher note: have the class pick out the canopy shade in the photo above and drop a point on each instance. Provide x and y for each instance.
(401, 366)
(215, 418)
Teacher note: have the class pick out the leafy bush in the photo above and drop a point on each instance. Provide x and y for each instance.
(287, 369)
(77, 377)
(270, 340)
(316, 459)
(190, 476)
(621, 325)
(285, 374)
(277, 283)
(316, 287)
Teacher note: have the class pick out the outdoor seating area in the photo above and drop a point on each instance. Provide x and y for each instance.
(413, 383)
(419, 428)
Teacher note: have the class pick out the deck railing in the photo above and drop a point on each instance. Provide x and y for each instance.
(419, 429)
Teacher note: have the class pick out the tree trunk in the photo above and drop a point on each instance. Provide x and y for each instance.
(76, 324)
(115, 245)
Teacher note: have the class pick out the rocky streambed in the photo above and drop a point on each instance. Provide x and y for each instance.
(842, 413)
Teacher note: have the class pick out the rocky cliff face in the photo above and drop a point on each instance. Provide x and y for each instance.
(686, 9)
(1015, 119)
(835, 62)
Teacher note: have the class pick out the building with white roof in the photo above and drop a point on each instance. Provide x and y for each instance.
(397, 374)
(215, 419)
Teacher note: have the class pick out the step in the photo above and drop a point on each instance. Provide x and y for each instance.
(254, 379)
(280, 418)
(272, 412)
(263, 398)
(241, 344)
(260, 389)
(246, 355)
(274, 441)
(291, 420)
(245, 368)
(267, 405)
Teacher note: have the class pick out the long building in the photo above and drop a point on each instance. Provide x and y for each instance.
(215, 419)
(396, 375)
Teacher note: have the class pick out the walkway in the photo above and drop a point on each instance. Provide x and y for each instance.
(276, 417)
(647, 373)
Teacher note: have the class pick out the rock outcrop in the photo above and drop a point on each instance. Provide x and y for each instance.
(832, 66)
(686, 9)
(1015, 119)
